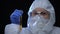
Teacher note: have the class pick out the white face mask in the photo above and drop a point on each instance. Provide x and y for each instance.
(36, 23)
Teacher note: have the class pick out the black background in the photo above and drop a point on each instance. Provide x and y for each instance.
(8, 6)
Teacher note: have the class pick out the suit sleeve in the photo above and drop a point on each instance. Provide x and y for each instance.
(11, 29)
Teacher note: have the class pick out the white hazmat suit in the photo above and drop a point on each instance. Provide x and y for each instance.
(34, 28)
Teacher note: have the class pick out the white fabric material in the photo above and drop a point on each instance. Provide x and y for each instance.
(42, 4)
(14, 29)
(56, 30)
(45, 4)
(36, 23)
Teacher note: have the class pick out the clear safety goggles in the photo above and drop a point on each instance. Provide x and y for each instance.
(39, 13)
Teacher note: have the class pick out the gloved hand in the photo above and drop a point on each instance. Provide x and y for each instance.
(15, 16)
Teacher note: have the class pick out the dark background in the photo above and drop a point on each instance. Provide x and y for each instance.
(8, 6)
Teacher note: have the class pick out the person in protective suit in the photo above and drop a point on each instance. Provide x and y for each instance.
(41, 18)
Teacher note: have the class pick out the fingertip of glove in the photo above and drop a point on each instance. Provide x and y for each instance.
(18, 11)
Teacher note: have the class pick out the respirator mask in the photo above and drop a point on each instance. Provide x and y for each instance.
(37, 22)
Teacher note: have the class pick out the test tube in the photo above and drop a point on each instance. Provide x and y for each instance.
(20, 23)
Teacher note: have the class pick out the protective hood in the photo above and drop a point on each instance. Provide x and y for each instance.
(47, 6)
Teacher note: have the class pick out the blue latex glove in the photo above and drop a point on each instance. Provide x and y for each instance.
(15, 16)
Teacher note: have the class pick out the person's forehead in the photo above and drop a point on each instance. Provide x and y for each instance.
(39, 10)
